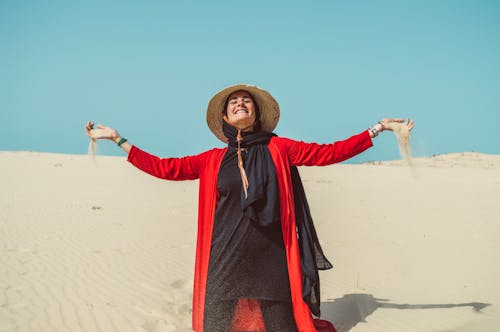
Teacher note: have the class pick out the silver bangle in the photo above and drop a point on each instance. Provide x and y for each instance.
(373, 131)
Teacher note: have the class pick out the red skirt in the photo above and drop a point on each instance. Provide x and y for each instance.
(248, 317)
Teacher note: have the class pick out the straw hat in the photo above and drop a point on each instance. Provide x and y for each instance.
(268, 107)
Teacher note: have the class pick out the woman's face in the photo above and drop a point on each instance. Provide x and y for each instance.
(240, 110)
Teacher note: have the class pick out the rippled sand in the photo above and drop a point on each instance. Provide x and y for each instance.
(95, 245)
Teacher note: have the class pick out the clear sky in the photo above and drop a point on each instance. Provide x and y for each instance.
(148, 68)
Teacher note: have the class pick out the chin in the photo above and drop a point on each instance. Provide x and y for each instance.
(242, 123)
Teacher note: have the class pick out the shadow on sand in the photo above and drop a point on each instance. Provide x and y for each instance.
(348, 311)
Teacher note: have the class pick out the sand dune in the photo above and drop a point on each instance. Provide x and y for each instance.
(99, 246)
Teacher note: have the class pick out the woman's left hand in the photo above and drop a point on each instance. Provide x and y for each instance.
(394, 123)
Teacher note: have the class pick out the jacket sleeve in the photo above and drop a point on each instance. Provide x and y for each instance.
(313, 154)
(185, 168)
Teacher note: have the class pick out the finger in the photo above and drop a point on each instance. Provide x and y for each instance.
(87, 129)
(394, 120)
(412, 124)
(100, 126)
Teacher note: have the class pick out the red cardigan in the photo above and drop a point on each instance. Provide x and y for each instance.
(205, 166)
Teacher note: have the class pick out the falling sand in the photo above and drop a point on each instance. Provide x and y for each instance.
(403, 136)
(92, 148)
(93, 142)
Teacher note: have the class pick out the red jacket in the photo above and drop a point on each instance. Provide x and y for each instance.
(205, 166)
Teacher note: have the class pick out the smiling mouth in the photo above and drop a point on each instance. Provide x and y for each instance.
(241, 111)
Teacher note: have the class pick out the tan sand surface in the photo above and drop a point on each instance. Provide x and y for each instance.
(96, 245)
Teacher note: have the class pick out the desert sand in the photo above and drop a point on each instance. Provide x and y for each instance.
(96, 245)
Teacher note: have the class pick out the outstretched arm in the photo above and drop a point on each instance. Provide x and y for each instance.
(185, 168)
(313, 154)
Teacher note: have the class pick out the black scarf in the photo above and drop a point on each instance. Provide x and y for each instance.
(312, 258)
(262, 206)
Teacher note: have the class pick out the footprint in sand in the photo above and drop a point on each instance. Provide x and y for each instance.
(174, 314)
(181, 284)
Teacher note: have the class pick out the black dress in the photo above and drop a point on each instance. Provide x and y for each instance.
(247, 261)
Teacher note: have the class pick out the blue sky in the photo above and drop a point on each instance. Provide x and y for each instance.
(148, 68)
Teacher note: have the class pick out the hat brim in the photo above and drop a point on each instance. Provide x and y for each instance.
(268, 107)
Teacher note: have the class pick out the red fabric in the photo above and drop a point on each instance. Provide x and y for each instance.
(323, 326)
(205, 166)
(248, 316)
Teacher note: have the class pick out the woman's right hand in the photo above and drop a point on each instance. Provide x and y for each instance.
(393, 124)
(101, 132)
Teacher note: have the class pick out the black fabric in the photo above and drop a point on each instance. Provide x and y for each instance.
(247, 260)
(278, 316)
(262, 204)
(218, 316)
(262, 208)
(312, 257)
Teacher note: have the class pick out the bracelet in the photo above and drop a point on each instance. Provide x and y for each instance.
(373, 131)
(121, 141)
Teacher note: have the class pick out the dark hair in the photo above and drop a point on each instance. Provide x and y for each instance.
(258, 125)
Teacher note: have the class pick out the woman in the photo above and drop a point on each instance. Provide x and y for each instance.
(257, 252)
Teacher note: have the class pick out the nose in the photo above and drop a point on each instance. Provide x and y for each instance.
(239, 102)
